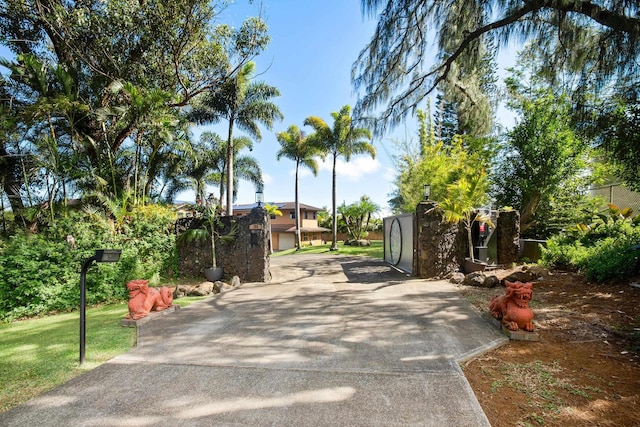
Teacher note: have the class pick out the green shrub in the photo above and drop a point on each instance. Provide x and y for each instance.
(600, 252)
(41, 273)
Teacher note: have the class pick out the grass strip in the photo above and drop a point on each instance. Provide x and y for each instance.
(376, 250)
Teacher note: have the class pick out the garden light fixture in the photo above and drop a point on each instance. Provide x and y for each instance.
(101, 255)
(427, 191)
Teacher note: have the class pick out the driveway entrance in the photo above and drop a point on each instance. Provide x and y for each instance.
(332, 341)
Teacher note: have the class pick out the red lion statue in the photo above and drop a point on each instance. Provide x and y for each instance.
(143, 299)
(513, 306)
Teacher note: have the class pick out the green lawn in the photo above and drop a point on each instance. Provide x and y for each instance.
(376, 250)
(37, 355)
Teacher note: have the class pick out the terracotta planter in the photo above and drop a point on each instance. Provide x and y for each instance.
(471, 266)
(213, 274)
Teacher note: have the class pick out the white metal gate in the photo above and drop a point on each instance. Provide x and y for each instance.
(398, 241)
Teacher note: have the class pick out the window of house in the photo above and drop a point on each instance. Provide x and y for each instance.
(292, 215)
(306, 215)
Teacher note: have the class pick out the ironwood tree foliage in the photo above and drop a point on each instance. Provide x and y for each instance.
(597, 39)
(106, 81)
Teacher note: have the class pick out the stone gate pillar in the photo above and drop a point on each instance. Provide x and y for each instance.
(440, 246)
(508, 236)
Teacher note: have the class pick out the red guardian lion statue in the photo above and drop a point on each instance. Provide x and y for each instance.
(143, 299)
(513, 307)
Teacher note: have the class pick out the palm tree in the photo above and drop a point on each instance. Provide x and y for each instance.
(345, 140)
(244, 104)
(294, 146)
(204, 164)
(272, 211)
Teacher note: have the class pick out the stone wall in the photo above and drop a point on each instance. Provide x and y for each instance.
(440, 246)
(508, 237)
(247, 256)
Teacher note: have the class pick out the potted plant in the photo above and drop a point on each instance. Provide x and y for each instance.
(210, 230)
(458, 208)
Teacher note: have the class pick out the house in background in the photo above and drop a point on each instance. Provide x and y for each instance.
(283, 228)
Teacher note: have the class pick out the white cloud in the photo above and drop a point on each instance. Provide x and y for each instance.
(390, 174)
(353, 170)
(268, 179)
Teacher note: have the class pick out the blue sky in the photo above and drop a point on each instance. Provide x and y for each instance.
(313, 46)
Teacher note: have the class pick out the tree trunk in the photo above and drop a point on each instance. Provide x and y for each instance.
(334, 241)
(298, 240)
(229, 177)
(11, 179)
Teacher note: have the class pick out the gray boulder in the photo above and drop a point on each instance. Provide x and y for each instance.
(476, 278)
(491, 281)
(456, 277)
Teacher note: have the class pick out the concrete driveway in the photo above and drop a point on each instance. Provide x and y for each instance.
(331, 341)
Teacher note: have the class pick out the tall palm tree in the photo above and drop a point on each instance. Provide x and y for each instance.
(244, 104)
(272, 211)
(203, 165)
(343, 139)
(294, 146)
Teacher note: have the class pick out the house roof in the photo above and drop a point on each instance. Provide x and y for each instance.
(280, 205)
(288, 228)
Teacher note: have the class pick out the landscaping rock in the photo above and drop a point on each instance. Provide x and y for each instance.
(521, 276)
(361, 243)
(491, 281)
(456, 277)
(476, 278)
(235, 281)
(224, 287)
(202, 290)
(182, 291)
(538, 270)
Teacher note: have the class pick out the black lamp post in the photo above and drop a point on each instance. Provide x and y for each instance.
(427, 191)
(102, 255)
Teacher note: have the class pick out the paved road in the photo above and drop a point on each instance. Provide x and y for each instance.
(331, 341)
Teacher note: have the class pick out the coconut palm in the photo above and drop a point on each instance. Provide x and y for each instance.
(244, 104)
(345, 140)
(272, 211)
(295, 146)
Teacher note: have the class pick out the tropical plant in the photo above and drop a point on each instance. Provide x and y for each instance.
(93, 95)
(343, 139)
(272, 211)
(541, 154)
(242, 103)
(211, 230)
(357, 216)
(463, 196)
(603, 249)
(294, 146)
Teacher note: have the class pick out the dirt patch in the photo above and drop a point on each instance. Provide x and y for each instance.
(584, 371)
